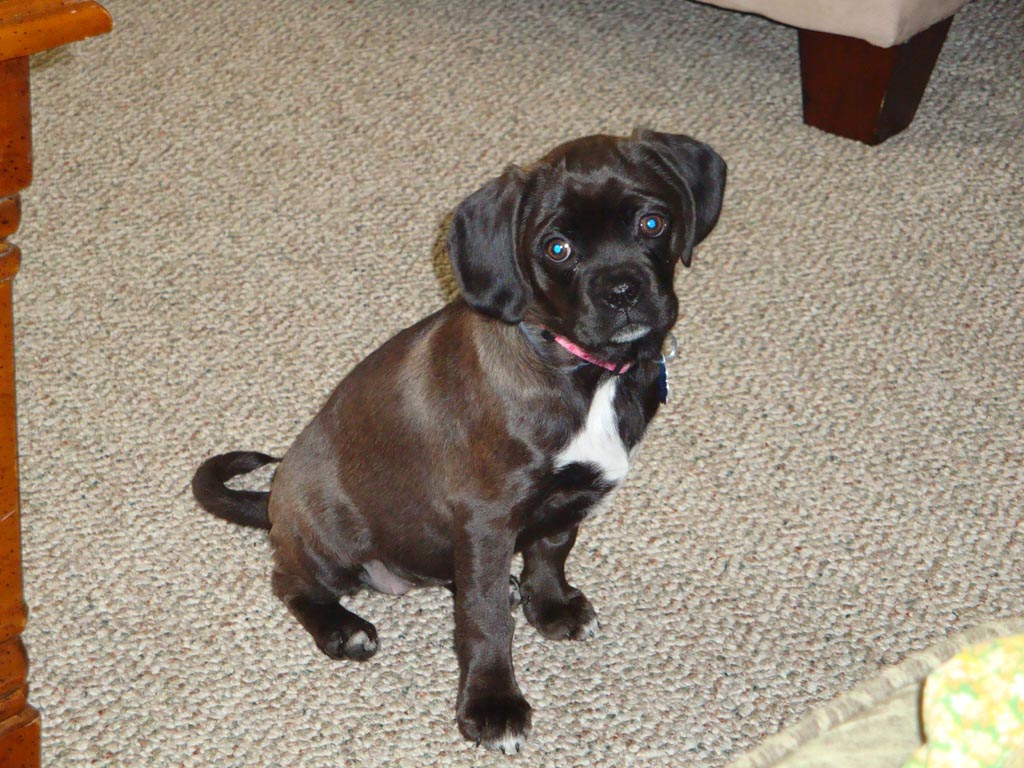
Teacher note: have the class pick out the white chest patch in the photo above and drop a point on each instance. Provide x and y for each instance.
(598, 443)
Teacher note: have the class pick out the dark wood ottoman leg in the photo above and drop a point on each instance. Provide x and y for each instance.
(855, 89)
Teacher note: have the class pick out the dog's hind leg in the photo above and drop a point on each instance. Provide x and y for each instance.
(337, 631)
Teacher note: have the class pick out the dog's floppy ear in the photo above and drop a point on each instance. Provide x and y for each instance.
(699, 174)
(482, 246)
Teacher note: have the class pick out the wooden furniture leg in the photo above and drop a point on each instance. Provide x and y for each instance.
(855, 89)
(19, 722)
(26, 27)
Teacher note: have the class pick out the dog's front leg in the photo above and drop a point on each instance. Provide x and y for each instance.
(557, 609)
(491, 709)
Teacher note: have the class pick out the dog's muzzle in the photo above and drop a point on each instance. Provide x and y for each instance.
(623, 292)
(629, 304)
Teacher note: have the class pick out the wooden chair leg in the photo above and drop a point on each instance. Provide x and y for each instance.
(855, 89)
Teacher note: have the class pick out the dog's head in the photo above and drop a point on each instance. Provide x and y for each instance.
(585, 242)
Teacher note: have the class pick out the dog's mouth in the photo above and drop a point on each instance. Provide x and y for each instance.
(632, 332)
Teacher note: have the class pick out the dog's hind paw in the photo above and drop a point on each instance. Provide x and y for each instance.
(515, 593)
(361, 646)
(511, 744)
(589, 630)
(500, 722)
(357, 646)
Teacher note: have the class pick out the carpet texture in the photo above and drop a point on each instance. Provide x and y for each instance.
(235, 202)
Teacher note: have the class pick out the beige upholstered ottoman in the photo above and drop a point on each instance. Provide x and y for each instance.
(864, 64)
(876, 725)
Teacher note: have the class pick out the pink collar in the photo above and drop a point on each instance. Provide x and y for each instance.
(582, 354)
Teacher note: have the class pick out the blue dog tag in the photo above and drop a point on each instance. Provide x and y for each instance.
(673, 352)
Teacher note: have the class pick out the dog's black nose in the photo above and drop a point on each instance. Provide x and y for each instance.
(623, 294)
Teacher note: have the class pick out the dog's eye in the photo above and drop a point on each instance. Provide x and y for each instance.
(557, 249)
(652, 224)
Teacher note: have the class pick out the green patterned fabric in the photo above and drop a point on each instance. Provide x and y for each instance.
(973, 709)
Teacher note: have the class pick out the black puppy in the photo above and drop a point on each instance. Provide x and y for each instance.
(497, 424)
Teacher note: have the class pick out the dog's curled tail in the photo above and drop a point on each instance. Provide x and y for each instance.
(209, 486)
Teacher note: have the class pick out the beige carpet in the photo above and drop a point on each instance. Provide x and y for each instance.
(236, 201)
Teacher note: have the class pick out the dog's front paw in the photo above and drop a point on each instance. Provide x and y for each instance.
(499, 721)
(571, 619)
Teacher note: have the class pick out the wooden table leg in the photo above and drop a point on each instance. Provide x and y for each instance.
(19, 722)
(26, 27)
